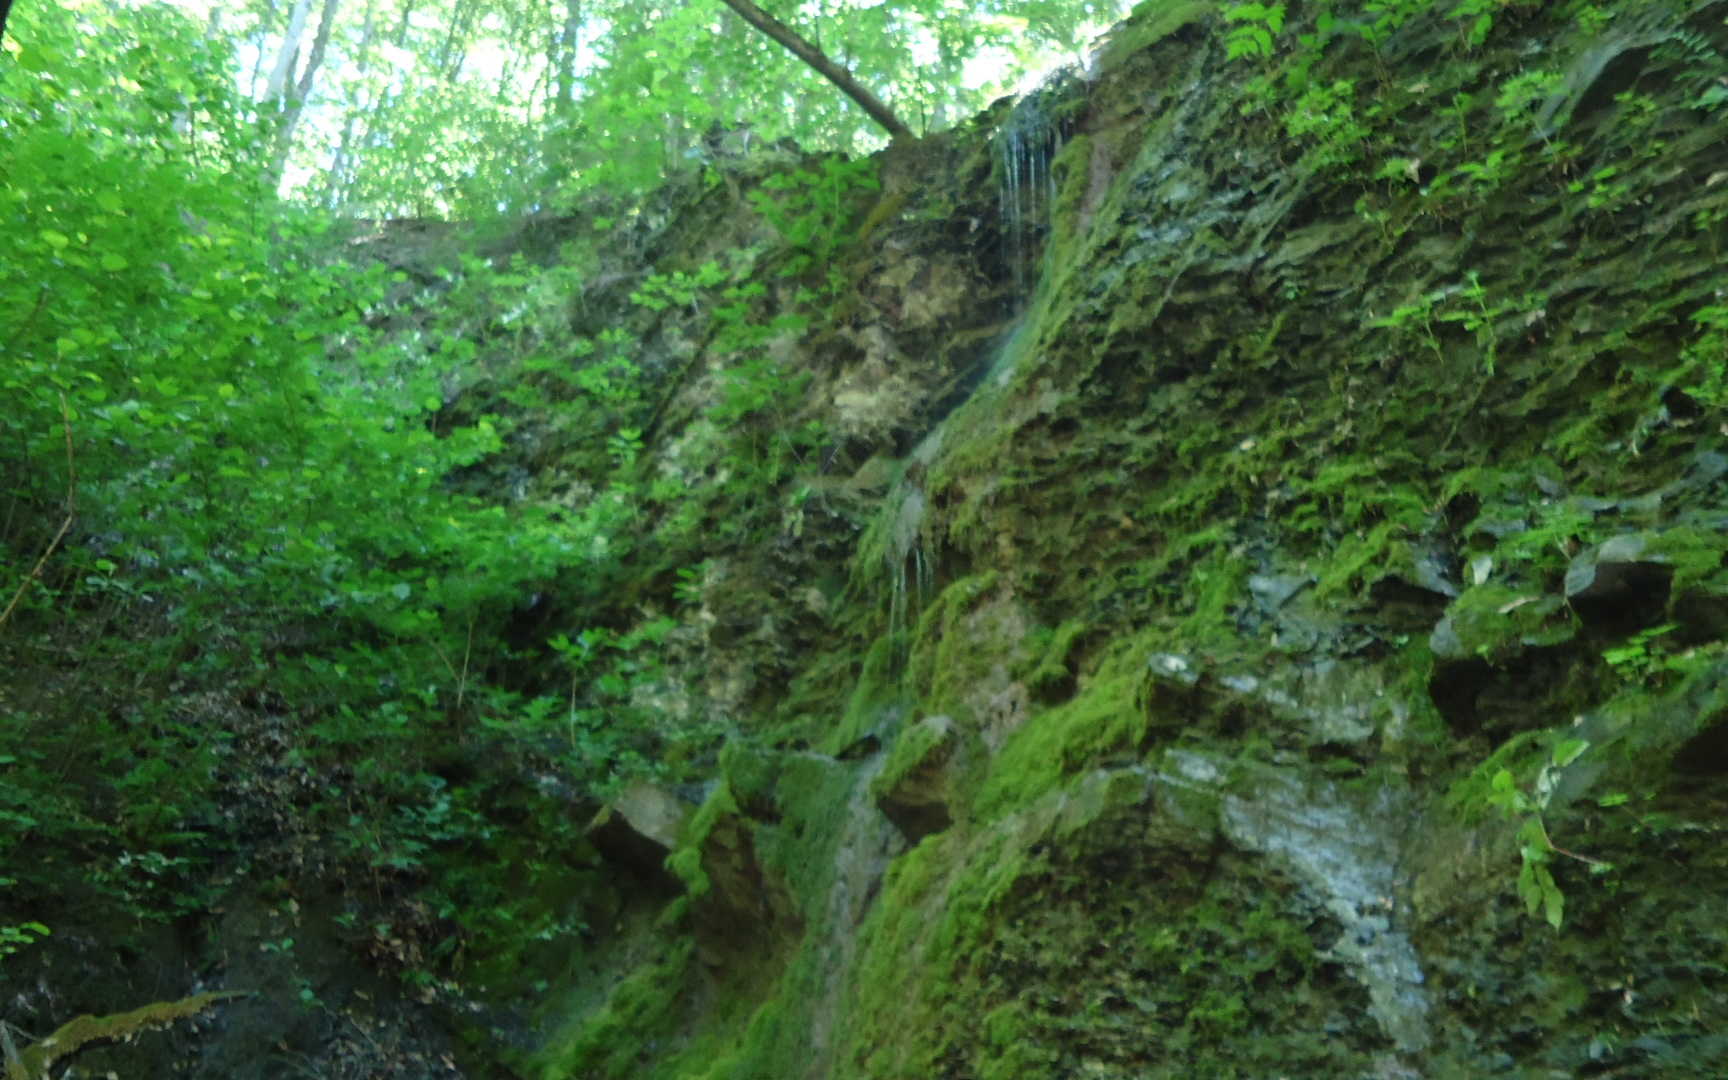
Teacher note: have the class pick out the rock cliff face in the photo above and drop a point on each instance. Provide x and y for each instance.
(1283, 503)
(1213, 569)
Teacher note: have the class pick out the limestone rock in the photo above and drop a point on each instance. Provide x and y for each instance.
(914, 789)
(640, 828)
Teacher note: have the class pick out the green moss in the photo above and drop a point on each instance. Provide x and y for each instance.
(1359, 561)
(951, 653)
(1495, 622)
(686, 862)
(878, 689)
(617, 1041)
(1107, 717)
(1150, 22)
(1217, 585)
(771, 1000)
(891, 565)
(1416, 725)
(933, 916)
(751, 772)
(812, 798)
(1003, 950)
(770, 1039)
(1054, 670)
(71, 1037)
(1071, 170)
(1697, 556)
(1012, 1050)
(919, 745)
(888, 207)
(818, 691)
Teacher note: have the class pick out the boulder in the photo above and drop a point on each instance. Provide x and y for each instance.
(639, 828)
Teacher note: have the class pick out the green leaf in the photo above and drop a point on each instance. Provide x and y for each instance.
(1553, 901)
(1528, 889)
(114, 263)
(38, 59)
(1568, 750)
(54, 239)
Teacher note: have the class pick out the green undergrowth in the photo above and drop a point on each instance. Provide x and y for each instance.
(378, 541)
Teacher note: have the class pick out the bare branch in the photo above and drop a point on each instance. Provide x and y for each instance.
(65, 526)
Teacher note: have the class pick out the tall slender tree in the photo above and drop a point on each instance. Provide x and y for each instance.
(293, 104)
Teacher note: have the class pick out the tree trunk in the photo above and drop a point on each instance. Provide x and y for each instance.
(266, 18)
(290, 118)
(283, 73)
(825, 67)
(341, 165)
(403, 23)
(454, 51)
(566, 45)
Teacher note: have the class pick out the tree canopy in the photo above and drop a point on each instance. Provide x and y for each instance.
(460, 107)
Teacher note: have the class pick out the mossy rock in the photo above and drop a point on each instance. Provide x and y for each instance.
(916, 787)
(1496, 622)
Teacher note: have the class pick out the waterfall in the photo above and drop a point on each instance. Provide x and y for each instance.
(1025, 145)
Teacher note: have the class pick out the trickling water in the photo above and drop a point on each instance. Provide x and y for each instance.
(908, 563)
(898, 538)
(867, 842)
(1025, 145)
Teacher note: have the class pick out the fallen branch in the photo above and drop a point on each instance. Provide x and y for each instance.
(795, 44)
(75, 1034)
(65, 526)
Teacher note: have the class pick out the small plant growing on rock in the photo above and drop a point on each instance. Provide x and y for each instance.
(1253, 26)
(1641, 658)
(1536, 850)
(13, 938)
